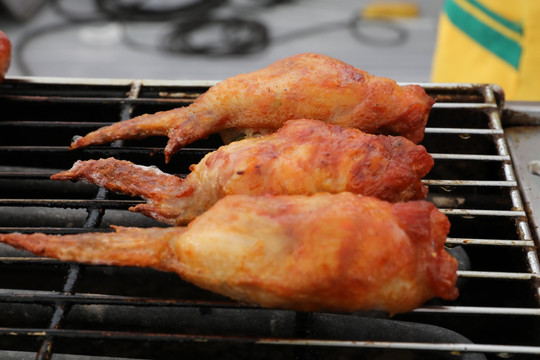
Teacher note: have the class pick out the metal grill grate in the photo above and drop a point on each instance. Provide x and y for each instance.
(53, 309)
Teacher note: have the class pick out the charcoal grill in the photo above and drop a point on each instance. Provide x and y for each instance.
(51, 309)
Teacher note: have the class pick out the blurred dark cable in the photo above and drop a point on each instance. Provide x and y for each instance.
(70, 15)
(240, 37)
(131, 10)
(148, 11)
(236, 36)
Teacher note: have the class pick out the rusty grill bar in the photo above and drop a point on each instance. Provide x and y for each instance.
(51, 308)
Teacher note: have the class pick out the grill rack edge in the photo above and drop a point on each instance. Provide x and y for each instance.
(126, 97)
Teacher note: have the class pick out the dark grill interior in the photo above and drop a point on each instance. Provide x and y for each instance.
(52, 309)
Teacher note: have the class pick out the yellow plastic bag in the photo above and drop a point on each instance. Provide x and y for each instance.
(490, 41)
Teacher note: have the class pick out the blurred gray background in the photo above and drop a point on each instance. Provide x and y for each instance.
(81, 38)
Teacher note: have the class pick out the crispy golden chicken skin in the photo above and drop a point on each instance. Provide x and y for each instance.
(303, 157)
(307, 85)
(325, 252)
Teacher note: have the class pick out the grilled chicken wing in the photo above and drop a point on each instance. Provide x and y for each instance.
(338, 252)
(302, 86)
(303, 157)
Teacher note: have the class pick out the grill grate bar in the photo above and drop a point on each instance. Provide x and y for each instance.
(486, 183)
(124, 204)
(468, 131)
(68, 203)
(47, 230)
(478, 157)
(142, 150)
(453, 347)
(497, 275)
(468, 106)
(72, 124)
(486, 310)
(99, 149)
(65, 100)
(46, 297)
(30, 260)
(475, 212)
(97, 124)
(25, 175)
(495, 242)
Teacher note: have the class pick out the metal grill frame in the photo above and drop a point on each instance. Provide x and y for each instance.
(488, 99)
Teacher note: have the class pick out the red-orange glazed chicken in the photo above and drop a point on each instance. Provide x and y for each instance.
(308, 86)
(325, 252)
(303, 157)
(5, 55)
